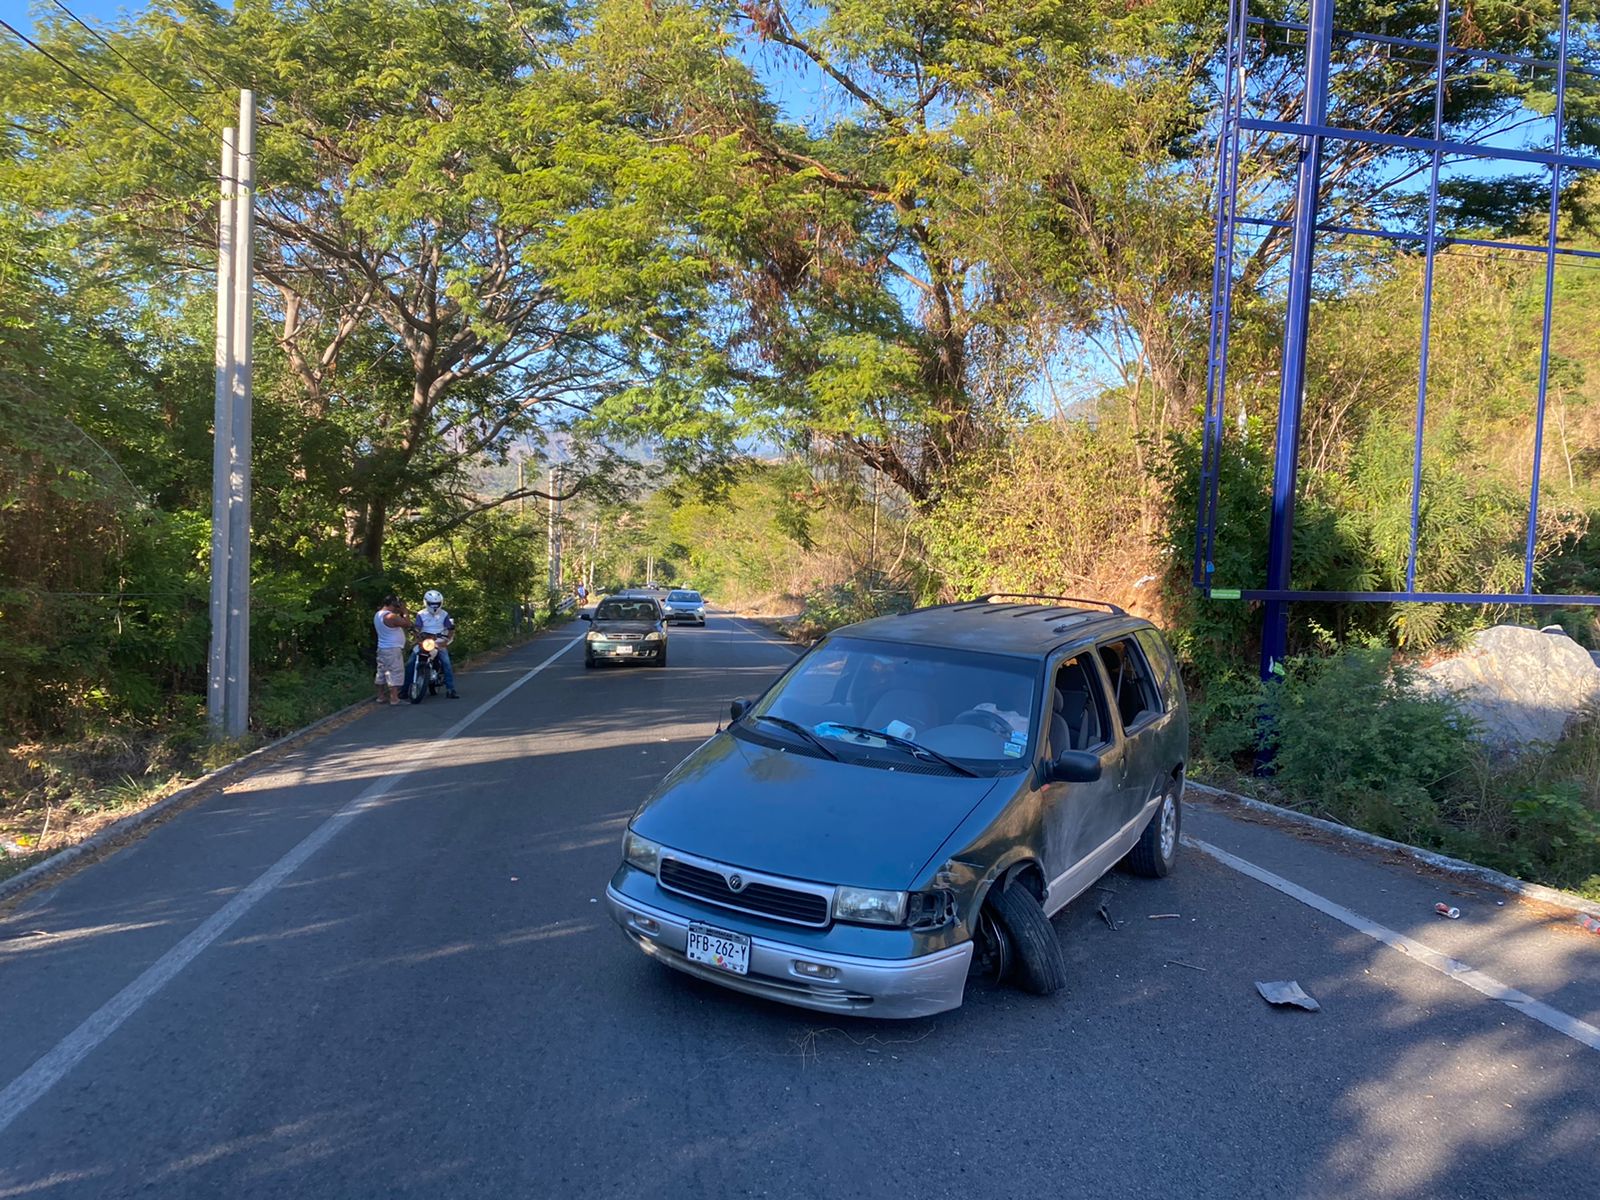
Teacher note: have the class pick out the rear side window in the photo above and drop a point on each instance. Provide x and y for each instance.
(1133, 690)
(1162, 664)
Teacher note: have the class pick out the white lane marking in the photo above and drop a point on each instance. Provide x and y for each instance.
(1488, 985)
(44, 1074)
(763, 636)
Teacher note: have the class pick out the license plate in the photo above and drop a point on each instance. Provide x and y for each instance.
(719, 948)
(622, 649)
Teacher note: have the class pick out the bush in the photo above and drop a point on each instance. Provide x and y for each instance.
(286, 700)
(1351, 739)
(846, 603)
(1349, 733)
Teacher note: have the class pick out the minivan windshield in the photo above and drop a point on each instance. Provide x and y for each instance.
(625, 610)
(957, 703)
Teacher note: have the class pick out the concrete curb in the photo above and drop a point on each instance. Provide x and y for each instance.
(1441, 862)
(118, 830)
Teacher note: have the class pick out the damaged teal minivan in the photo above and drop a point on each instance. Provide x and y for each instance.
(907, 806)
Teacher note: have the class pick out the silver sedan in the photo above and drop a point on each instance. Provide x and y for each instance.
(684, 605)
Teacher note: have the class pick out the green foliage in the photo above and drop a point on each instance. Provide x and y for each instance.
(1351, 739)
(1062, 507)
(1217, 639)
(1350, 731)
(846, 603)
(1558, 837)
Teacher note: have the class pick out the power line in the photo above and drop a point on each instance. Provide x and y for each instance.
(22, 37)
(95, 34)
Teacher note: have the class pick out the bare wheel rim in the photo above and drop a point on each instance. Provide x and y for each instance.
(994, 950)
(1169, 826)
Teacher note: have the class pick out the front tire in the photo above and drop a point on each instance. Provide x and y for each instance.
(1157, 848)
(417, 687)
(588, 661)
(1032, 953)
(660, 660)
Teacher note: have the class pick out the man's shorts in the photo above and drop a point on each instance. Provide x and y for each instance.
(391, 667)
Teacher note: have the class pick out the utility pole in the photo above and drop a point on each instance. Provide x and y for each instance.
(228, 686)
(553, 533)
(222, 424)
(238, 705)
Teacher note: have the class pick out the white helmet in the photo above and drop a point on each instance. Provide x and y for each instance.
(432, 598)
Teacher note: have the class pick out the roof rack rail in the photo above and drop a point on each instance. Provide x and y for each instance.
(993, 596)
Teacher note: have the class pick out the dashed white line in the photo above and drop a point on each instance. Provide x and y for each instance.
(1564, 1023)
(49, 1070)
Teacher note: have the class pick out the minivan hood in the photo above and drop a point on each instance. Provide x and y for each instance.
(797, 814)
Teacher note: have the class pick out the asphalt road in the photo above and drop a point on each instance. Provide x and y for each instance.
(430, 1001)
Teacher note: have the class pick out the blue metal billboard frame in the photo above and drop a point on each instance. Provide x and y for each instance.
(1313, 132)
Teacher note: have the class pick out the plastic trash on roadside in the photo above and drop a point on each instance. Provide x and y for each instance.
(1287, 991)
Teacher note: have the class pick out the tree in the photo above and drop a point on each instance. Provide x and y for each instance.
(891, 280)
(418, 322)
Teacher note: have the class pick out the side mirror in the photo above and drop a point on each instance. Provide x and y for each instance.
(585, 617)
(738, 709)
(1074, 766)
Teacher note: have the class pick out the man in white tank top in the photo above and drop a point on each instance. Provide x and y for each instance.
(390, 622)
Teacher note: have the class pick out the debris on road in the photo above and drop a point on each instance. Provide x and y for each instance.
(1287, 991)
(1163, 916)
(1105, 915)
(1178, 962)
(1444, 910)
(1592, 924)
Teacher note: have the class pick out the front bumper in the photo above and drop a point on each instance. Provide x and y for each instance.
(868, 987)
(640, 651)
(684, 614)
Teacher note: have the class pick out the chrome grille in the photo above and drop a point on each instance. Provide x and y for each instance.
(765, 899)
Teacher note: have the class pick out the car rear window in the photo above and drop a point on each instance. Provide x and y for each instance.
(626, 610)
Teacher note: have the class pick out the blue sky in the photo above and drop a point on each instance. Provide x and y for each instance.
(20, 13)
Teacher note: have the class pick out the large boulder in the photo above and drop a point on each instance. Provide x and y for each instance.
(1521, 685)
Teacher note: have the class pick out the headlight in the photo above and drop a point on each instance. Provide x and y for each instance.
(594, 635)
(641, 852)
(428, 644)
(654, 637)
(868, 906)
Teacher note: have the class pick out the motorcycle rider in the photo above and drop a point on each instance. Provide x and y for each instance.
(433, 620)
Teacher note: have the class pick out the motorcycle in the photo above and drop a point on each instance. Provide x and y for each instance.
(427, 671)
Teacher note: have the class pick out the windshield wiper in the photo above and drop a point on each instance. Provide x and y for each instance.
(916, 749)
(796, 727)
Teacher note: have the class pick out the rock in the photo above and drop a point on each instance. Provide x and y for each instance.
(1521, 685)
